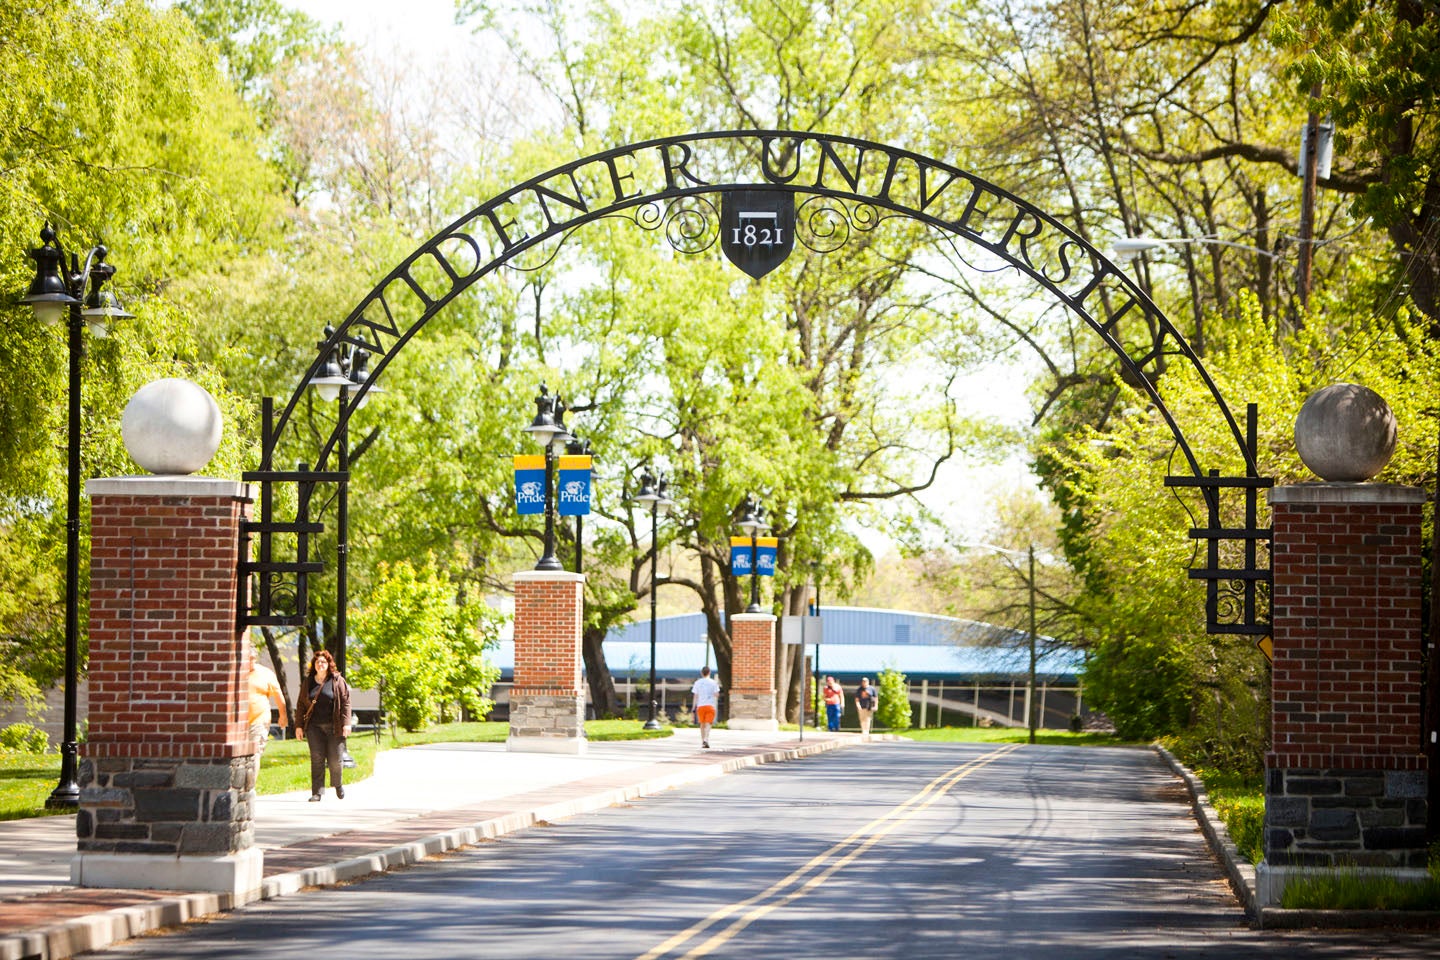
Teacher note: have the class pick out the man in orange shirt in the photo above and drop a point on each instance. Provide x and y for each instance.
(264, 686)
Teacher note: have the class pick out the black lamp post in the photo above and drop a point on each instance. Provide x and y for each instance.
(53, 295)
(654, 492)
(579, 448)
(752, 521)
(548, 429)
(815, 566)
(343, 372)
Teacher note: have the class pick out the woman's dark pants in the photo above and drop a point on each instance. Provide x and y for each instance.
(324, 751)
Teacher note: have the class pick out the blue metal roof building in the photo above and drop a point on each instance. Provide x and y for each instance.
(857, 641)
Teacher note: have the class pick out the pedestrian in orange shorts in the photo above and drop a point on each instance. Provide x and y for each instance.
(707, 699)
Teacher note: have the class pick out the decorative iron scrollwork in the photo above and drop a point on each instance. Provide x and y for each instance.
(691, 224)
(824, 224)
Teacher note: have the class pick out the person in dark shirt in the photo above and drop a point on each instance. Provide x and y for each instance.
(865, 701)
(322, 717)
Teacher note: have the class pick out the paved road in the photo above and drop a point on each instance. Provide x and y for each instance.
(901, 850)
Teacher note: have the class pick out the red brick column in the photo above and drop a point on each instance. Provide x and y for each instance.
(752, 672)
(1345, 778)
(547, 699)
(166, 779)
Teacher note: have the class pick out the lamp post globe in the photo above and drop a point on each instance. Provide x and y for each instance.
(55, 294)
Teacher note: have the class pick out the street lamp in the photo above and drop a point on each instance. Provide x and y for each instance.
(54, 294)
(577, 447)
(548, 429)
(654, 492)
(344, 371)
(752, 521)
(1128, 248)
(815, 568)
(1029, 553)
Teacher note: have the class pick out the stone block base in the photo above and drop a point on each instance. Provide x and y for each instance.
(752, 711)
(1271, 881)
(1345, 819)
(547, 722)
(238, 873)
(166, 806)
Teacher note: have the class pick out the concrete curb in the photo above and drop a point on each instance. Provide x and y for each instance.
(106, 928)
(1241, 874)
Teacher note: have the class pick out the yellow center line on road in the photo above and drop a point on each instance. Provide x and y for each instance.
(831, 860)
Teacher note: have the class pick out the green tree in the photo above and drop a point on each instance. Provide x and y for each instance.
(116, 128)
(422, 647)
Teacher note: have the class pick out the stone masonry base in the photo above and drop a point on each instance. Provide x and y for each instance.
(752, 711)
(546, 723)
(1345, 818)
(1322, 821)
(167, 807)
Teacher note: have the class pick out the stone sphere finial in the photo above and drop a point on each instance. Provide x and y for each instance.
(171, 426)
(1345, 433)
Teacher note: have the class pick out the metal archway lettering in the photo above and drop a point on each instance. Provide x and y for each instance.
(841, 184)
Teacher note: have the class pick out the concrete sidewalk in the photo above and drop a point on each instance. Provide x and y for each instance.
(420, 802)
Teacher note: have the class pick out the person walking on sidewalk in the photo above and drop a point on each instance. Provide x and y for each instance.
(322, 717)
(865, 702)
(264, 687)
(834, 704)
(706, 691)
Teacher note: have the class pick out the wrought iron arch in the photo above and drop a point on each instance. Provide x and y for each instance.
(668, 184)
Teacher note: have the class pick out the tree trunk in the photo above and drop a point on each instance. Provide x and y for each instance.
(597, 674)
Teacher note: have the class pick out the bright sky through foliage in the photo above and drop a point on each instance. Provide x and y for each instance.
(964, 490)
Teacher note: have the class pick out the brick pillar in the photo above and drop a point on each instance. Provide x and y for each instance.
(547, 699)
(167, 785)
(752, 672)
(1345, 780)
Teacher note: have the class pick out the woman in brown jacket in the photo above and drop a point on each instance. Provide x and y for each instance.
(322, 717)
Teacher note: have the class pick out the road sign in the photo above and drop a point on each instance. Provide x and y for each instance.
(800, 630)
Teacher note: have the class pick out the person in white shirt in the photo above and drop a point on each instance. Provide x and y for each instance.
(706, 691)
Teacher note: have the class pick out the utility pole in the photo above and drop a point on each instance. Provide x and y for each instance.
(1030, 693)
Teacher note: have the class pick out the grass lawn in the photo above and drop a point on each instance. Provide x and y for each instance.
(27, 779)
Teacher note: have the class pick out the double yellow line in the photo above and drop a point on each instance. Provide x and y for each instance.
(816, 871)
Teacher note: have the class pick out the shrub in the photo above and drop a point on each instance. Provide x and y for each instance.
(24, 738)
(893, 711)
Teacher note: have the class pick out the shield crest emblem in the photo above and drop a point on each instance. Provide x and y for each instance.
(757, 229)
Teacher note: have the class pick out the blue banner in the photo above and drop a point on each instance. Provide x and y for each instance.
(530, 483)
(740, 556)
(573, 486)
(767, 548)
